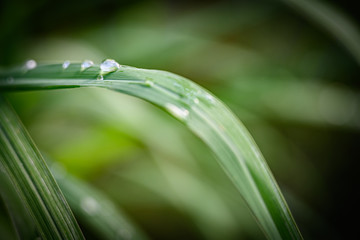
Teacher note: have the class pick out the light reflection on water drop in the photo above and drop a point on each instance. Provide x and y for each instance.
(108, 66)
(100, 77)
(89, 205)
(66, 64)
(30, 64)
(86, 64)
(178, 112)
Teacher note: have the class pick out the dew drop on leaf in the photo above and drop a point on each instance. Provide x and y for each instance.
(66, 64)
(149, 82)
(109, 65)
(30, 64)
(100, 77)
(86, 64)
(178, 112)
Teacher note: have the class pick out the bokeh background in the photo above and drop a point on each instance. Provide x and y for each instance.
(289, 75)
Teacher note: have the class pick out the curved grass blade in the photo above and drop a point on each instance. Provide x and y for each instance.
(201, 112)
(94, 209)
(25, 169)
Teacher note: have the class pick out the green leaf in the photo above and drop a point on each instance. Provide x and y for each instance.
(32, 184)
(200, 111)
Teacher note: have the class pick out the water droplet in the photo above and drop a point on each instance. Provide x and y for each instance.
(66, 64)
(196, 100)
(30, 64)
(108, 66)
(100, 77)
(86, 64)
(178, 112)
(89, 205)
(149, 82)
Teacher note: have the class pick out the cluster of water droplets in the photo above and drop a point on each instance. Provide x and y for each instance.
(194, 96)
(191, 96)
(107, 66)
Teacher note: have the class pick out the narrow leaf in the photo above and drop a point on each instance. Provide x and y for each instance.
(24, 167)
(201, 112)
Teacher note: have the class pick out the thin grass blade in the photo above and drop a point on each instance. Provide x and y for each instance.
(200, 111)
(36, 188)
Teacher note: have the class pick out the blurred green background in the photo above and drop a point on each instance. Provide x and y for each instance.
(292, 80)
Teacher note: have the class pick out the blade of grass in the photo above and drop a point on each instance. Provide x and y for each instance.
(22, 163)
(201, 112)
